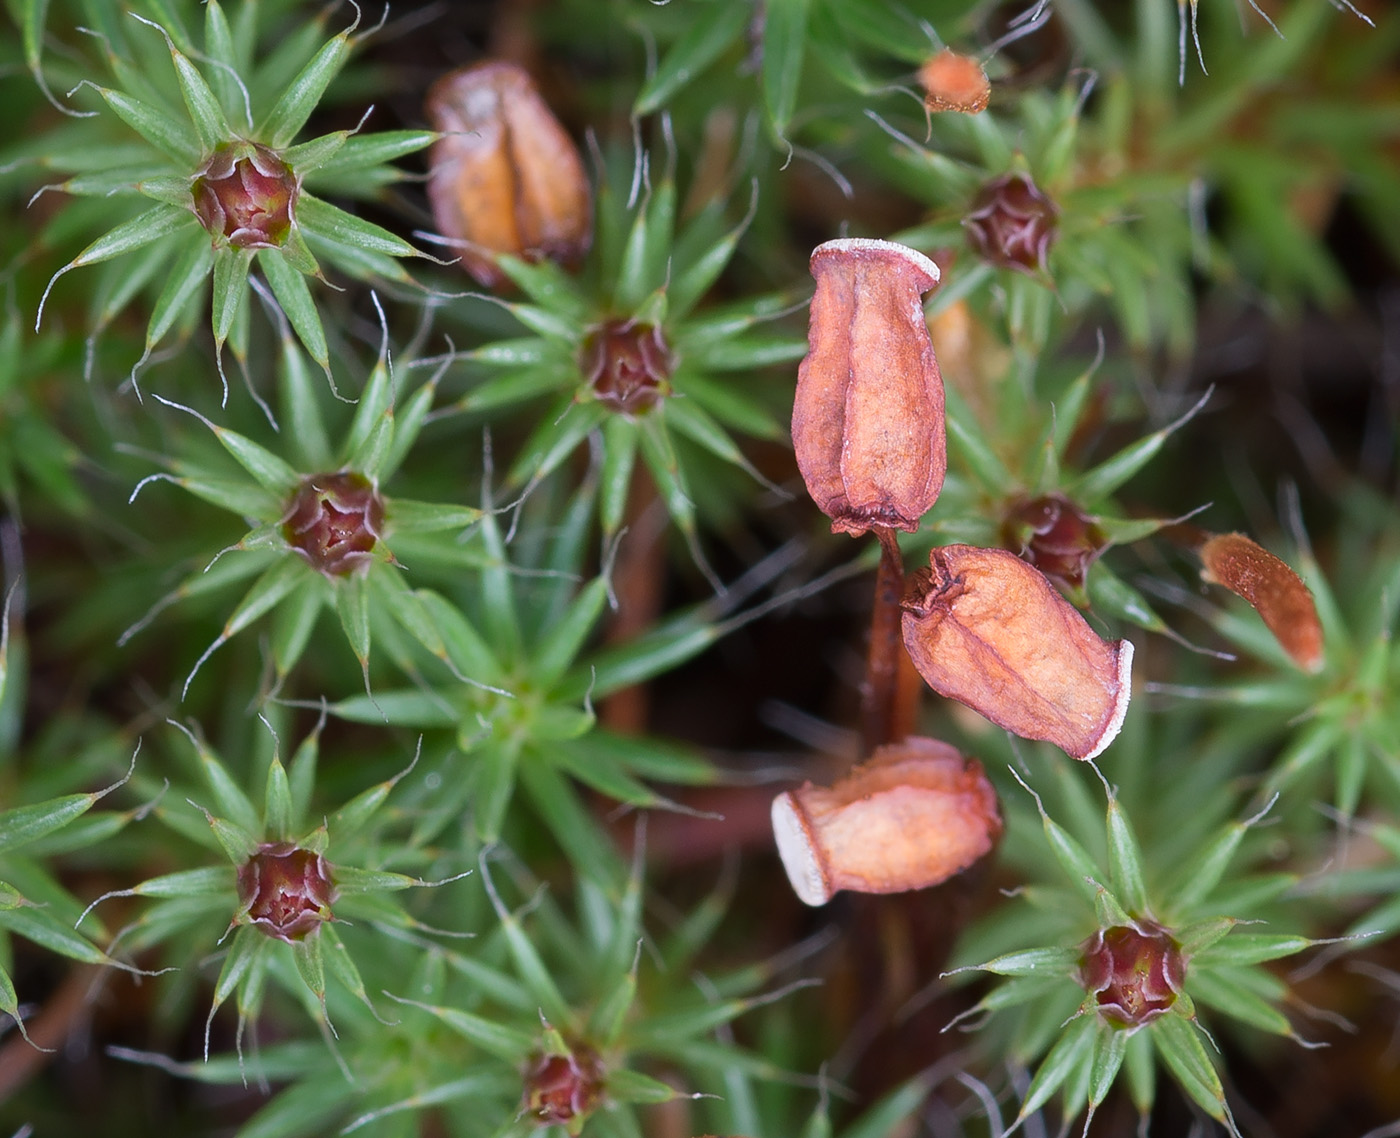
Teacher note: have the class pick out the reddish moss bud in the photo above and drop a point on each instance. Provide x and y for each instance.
(986, 629)
(954, 82)
(333, 520)
(1055, 536)
(915, 814)
(245, 195)
(1013, 224)
(505, 176)
(867, 419)
(1276, 592)
(1134, 972)
(563, 1089)
(628, 365)
(285, 891)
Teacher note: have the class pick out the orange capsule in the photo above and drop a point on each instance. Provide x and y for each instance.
(915, 814)
(988, 630)
(954, 82)
(1276, 592)
(867, 418)
(505, 177)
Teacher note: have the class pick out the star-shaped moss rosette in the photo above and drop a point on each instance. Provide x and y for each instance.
(1328, 699)
(1020, 477)
(214, 148)
(561, 1018)
(321, 534)
(293, 874)
(1134, 959)
(525, 626)
(628, 356)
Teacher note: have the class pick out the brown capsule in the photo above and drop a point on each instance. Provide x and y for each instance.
(627, 365)
(563, 1089)
(867, 418)
(954, 82)
(1276, 592)
(988, 630)
(915, 814)
(505, 177)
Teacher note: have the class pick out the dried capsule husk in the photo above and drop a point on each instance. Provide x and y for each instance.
(1012, 223)
(954, 82)
(988, 630)
(1276, 592)
(915, 814)
(867, 418)
(505, 177)
(245, 195)
(285, 891)
(1134, 972)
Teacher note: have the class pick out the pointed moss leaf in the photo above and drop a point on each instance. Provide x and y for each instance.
(348, 880)
(1141, 1070)
(24, 824)
(362, 151)
(494, 1038)
(203, 882)
(1220, 989)
(1078, 866)
(965, 439)
(376, 401)
(646, 757)
(547, 284)
(494, 786)
(267, 591)
(306, 427)
(1203, 872)
(403, 515)
(646, 656)
(1125, 860)
(1034, 962)
(180, 291)
(357, 263)
(1110, 1047)
(168, 135)
(605, 777)
(309, 955)
(352, 606)
(1186, 1058)
(277, 803)
(609, 1015)
(615, 479)
(1115, 597)
(289, 287)
(556, 437)
(272, 473)
(203, 104)
(37, 925)
(334, 224)
(731, 407)
(298, 101)
(784, 44)
(708, 37)
(558, 650)
(1109, 911)
(588, 847)
(1073, 1050)
(222, 54)
(247, 949)
(1102, 480)
(690, 284)
(230, 289)
(155, 223)
(237, 843)
(1196, 938)
(633, 1086)
(369, 456)
(469, 652)
(1255, 948)
(746, 353)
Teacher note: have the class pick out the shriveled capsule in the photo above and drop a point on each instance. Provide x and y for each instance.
(505, 177)
(915, 814)
(988, 630)
(867, 418)
(1276, 592)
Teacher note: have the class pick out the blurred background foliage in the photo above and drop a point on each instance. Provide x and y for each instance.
(595, 640)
